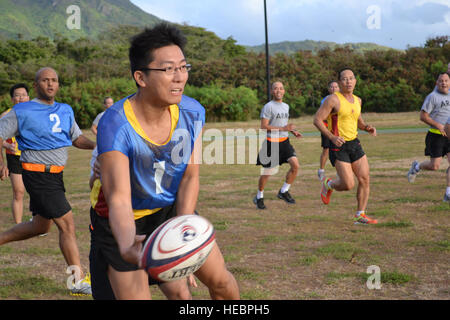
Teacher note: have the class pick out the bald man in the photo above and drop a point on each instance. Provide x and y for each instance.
(44, 130)
(274, 119)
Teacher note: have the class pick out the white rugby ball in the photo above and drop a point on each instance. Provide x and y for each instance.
(178, 247)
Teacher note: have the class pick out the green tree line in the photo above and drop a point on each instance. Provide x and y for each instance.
(229, 81)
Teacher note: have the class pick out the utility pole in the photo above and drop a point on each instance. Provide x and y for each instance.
(267, 54)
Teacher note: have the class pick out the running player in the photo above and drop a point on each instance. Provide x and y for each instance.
(44, 130)
(343, 111)
(325, 142)
(18, 93)
(435, 112)
(447, 191)
(107, 102)
(274, 119)
(146, 146)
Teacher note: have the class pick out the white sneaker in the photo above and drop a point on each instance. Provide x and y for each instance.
(412, 173)
(446, 198)
(82, 287)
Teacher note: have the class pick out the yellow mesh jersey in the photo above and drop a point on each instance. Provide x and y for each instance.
(345, 123)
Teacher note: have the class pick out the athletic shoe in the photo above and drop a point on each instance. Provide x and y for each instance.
(363, 219)
(321, 175)
(326, 192)
(446, 198)
(259, 203)
(82, 287)
(412, 172)
(286, 196)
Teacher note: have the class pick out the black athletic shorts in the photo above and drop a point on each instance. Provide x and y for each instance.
(325, 142)
(436, 145)
(47, 193)
(350, 152)
(105, 251)
(267, 160)
(13, 162)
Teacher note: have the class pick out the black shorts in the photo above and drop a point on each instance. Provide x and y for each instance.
(47, 194)
(350, 152)
(14, 165)
(436, 145)
(325, 142)
(105, 251)
(267, 160)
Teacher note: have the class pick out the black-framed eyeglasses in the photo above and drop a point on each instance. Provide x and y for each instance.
(170, 70)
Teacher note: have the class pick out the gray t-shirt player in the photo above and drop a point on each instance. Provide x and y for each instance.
(437, 105)
(278, 115)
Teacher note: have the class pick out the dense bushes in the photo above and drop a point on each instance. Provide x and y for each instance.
(233, 104)
(228, 81)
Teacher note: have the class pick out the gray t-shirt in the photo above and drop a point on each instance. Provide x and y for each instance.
(278, 115)
(437, 105)
(9, 127)
(97, 118)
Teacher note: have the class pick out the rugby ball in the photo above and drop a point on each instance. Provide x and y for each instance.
(178, 247)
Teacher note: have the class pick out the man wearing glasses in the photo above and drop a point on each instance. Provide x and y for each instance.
(18, 93)
(146, 178)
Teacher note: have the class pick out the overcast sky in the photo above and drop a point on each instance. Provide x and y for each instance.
(394, 23)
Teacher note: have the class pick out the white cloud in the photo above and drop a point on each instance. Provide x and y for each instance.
(442, 2)
(403, 22)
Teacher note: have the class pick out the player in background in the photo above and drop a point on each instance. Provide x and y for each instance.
(274, 119)
(435, 112)
(44, 130)
(18, 93)
(343, 111)
(325, 142)
(447, 190)
(107, 102)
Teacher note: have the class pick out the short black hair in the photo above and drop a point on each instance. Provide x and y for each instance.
(441, 73)
(144, 43)
(17, 86)
(344, 69)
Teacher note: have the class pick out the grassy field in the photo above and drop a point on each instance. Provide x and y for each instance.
(302, 251)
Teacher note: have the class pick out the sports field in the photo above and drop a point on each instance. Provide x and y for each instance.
(302, 251)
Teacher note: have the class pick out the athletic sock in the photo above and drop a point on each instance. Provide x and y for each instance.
(358, 213)
(285, 187)
(447, 192)
(329, 184)
(417, 167)
(260, 194)
(321, 171)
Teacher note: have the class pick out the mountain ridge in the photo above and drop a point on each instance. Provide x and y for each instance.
(290, 47)
(27, 19)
